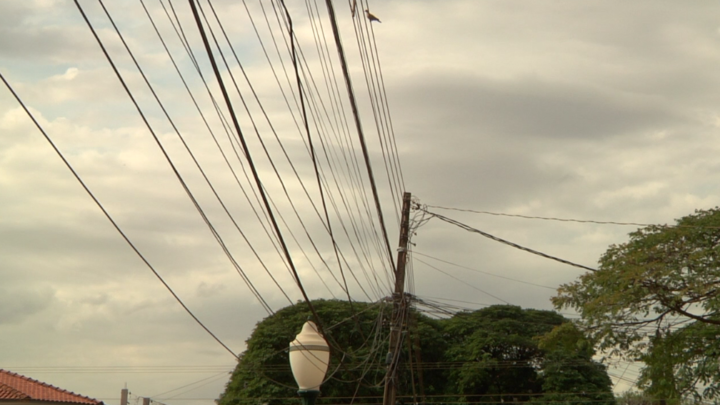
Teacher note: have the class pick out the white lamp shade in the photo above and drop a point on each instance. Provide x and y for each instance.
(309, 357)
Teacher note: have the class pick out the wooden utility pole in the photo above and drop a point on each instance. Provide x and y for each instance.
(399, 306)
(124, 396)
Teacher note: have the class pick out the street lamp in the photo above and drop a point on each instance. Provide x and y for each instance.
(309, 360)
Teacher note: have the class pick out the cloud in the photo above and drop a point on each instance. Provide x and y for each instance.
(18, 304)
(529, 108)
(48, 36)
(590, 110)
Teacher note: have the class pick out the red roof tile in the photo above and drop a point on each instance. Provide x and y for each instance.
(17, 387)
(7, 392)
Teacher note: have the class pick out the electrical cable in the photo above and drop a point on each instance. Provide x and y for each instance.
(379, 111)
(214, 379)
(437, 302)
(325, 224)
(312, 151)
(358, 125)
(192, 57)
(311, 80)
(326, 69)
(107, 214)
(622, 375)
(302, 58)
(336, 94)
(463, 281)
(184, 185)
(503, 241)
(218, 76)
(189, 384)
(387, 106)
(484, 272)
(424, 300)
(352, 245)
(454, 365)
(585, 221)
(282, 183)
(259, 366)
(174, 369)
(226, 125)
(312, 99)
(232, 219)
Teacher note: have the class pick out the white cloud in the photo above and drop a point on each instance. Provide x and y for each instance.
(557, 108)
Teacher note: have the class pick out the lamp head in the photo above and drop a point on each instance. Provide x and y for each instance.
(309, 357)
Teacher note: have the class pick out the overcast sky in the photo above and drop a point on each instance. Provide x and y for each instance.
(595, 110)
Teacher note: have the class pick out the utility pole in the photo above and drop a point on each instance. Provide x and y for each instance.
(124, 396)
(399, 306)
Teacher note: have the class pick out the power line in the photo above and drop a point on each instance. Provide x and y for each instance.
(483, 272)
(437, 303)
(246, 150)
(282, 183)
(462, 281)
(211, 378)
(312, 149)
(448, 309)
(328, 227)
(352, 245)
(232, 219)
(106, 213)
(585, 221)
(319, 121)
(184, 185)
(387, 107)
(197, 384)
(226, 126)
(371, 66)
(358, 125)
(503, 241)
(179, 369)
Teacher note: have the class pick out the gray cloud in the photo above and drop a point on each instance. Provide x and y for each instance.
(559, 108)
(18, 304)
(519, 110)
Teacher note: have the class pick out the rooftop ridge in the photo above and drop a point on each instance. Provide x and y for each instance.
(49, 392)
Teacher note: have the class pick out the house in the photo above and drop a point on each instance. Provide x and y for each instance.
(16, 389)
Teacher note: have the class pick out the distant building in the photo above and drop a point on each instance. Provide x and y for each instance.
(16, 389)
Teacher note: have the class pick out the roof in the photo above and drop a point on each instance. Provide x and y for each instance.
(8, 392)
(16, 387)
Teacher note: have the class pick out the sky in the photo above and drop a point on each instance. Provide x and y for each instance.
(592, 110)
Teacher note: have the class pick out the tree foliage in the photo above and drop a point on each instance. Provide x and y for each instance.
(263, 374)
(497, 354)
(655, 298)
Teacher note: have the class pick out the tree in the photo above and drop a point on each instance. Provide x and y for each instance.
(655, 298)
(569, 374)
(357, 365)
(509, 354)
(634, 398)
(497, 354)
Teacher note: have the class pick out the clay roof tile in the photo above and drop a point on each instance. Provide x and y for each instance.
(17, 387)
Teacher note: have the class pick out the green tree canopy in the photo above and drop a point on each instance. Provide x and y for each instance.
(357, 336)
(493, 355)
(655, 298)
